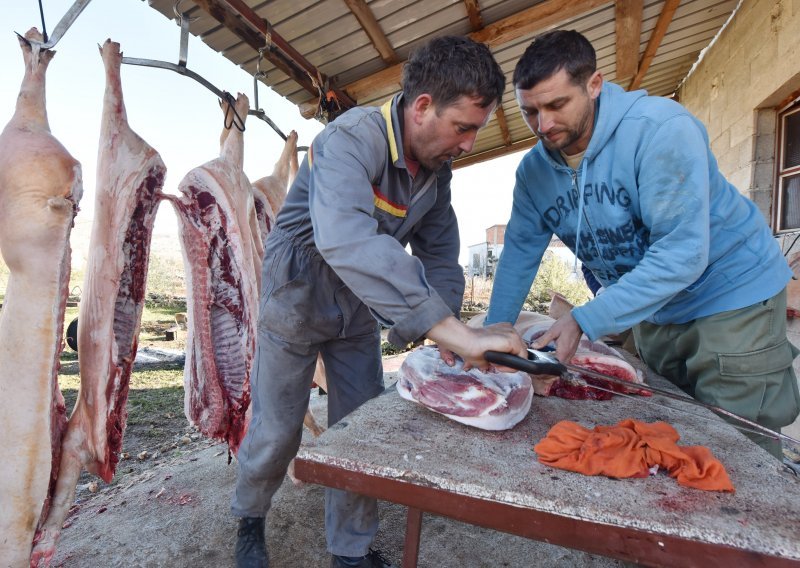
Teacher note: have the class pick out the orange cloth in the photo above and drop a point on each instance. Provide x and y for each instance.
(630, 449)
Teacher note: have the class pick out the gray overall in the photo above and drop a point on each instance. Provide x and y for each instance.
(335, 262)
(307, 309)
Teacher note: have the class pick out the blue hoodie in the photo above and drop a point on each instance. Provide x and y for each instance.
(662, 230)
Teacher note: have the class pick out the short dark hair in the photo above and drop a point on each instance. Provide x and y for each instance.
(552, 51)
(449, 67)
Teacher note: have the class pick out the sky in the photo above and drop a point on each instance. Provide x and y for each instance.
(179, 117)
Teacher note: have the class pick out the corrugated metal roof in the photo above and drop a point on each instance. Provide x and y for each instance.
(331, 38)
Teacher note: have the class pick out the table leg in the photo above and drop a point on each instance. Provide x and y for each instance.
(413, 530)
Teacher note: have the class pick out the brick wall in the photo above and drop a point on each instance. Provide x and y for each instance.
(753, 66)
(496, 234)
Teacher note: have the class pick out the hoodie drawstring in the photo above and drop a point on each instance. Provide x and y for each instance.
(580, 214)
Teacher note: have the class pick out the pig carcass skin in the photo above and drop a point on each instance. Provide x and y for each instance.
(40, 187)
(485, 400)
(130, 175)
(273, 188)
(269, 193)
(218, 248)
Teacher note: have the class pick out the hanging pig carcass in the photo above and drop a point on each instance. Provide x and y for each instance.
(130, 175)
(269, 193)
(40, 187)
(214, 220)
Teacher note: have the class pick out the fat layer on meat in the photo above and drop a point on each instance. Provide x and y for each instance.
(40, 187)
(130, 175)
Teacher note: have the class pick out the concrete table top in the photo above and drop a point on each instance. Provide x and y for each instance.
(399, 451)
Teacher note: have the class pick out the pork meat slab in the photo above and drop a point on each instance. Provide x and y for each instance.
(485, 400)
(40, 187)
(130, 174)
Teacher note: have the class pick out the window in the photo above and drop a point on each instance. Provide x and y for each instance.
(788, 168)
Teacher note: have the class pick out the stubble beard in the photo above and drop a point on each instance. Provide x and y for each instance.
(573, 134)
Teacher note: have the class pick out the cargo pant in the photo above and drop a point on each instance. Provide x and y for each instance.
(305, 309)
(739, 360)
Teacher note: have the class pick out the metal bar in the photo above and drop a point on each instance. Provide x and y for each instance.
(66, 21)
(763, 430)
(179, 69)
(639, 399)
(259, 113)
(536, 357)
(183, 55)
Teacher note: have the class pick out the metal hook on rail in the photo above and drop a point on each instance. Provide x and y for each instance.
(181, 69)
(183, 22)
(258, 112)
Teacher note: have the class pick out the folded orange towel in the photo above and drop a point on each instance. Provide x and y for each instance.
(630, 449)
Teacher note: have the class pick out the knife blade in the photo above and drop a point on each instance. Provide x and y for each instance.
(542, 363)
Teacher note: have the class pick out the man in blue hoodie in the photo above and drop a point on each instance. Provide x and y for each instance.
(628, 182)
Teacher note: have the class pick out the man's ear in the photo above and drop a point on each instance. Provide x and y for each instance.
(422, 104)
(595, 84)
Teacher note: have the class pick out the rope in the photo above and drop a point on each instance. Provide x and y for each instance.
(236, 120)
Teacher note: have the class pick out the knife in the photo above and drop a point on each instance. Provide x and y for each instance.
(542, 363)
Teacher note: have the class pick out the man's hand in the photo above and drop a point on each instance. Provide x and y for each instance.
(470, 344)
(566, 333)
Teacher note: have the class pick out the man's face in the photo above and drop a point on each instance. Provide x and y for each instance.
(559, 112)
(448, 133)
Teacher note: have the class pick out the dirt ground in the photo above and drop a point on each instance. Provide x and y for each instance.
(171, 508)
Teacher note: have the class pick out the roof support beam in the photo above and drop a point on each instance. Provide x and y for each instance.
(254, 30)
(474, 13)
(628, 27)
(664, 20)
(496, 153)
(501, 122)
(536, 18)
(366, 18)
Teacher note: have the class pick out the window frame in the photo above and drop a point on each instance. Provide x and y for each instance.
(781, 172)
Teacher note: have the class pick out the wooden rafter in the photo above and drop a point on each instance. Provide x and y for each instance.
(534, 19)
(501, 122)
(474, 13)
(254, 30)
(531, 20)
(494, 153)
(628, 28)
(366, 18)
(664, 20)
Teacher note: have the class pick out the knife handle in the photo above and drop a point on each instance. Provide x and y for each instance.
(533, 367)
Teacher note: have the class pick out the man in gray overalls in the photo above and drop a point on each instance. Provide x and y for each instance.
(375, 180)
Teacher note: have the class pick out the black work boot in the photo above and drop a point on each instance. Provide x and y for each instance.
(251, 549)
(373, 559)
